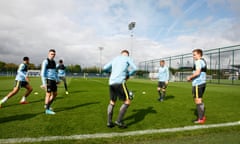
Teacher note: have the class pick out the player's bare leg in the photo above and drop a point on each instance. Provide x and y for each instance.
(27, 93)
(10, 94)
(122, 111)
(50, 96)
(201, 110)
(110, 113)
(163, 94)
(160, 93)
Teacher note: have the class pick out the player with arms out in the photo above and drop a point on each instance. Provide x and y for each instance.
(49, 80)
(120, 72)
(163, 78)
(21, 80)
(61, 69)
(198, 79)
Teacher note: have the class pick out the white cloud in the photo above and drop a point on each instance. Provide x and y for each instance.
(77, 28)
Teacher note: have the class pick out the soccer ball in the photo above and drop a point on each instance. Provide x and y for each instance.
(131, 95)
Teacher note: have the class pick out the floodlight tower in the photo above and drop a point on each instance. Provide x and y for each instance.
(100, 59)
(131, 26)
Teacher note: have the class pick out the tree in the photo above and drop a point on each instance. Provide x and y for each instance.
(74, 68)
(91, 70)
(31, 66)
(11, 67)
(2, 65)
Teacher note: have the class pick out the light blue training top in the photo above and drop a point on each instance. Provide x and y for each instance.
(22, 72)
(119, 68)
(163, 74)
(49, 71)
(61, 70)
(200, 79)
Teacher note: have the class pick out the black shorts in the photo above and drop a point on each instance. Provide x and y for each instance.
(162, 84)
(198, 90)
(20, 84)
(119, 91)
(51, 85)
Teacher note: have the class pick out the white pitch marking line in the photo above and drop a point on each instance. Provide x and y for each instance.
(109, 135)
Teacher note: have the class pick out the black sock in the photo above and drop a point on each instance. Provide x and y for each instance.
(110, 112)
(49, 104)
(46, 106)
(122, 111)
(200, 110)
(160, 94)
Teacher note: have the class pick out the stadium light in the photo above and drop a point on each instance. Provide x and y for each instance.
(131, 26)
(100, 59)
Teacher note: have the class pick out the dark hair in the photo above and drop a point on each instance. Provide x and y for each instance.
(25, 58)
(162, 60)
(60, 61)
(125, 51)
(199, 51)
(52, 50)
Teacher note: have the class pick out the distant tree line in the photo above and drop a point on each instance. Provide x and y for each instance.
(11, 67)
(71, 69)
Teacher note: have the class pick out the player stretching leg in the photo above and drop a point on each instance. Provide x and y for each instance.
(198, 79)
(163, 78)
(49, 80)
(61, 69)
(21, 81)
(119, 74)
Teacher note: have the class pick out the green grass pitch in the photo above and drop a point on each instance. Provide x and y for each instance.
(83, 111)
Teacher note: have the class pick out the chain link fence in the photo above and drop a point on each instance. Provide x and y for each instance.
(223, 66)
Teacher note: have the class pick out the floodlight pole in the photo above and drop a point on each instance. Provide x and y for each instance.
(131, 26)
(100, 59)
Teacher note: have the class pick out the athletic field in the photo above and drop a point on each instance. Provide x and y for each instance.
(81, 115)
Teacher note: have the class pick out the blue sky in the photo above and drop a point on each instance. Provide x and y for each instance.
(77, 28)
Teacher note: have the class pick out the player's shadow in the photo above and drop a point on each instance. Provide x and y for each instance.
(139, 115)
(20, 117)
(30, 102)
(76, 106)
(194, 112)
(77, 91)
(59, 97)
(6, 90)
(168, 97)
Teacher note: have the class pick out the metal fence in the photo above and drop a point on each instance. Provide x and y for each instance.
(223, 65)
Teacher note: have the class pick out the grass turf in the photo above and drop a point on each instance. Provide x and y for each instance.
(83, 111)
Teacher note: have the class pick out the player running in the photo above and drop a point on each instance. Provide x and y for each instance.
(49, 80)
(61, 69)
(119, 68)
(198, 79)
(21, 80)
(163, 78)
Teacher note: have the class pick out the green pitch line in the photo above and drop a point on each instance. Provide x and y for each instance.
(116, 134)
